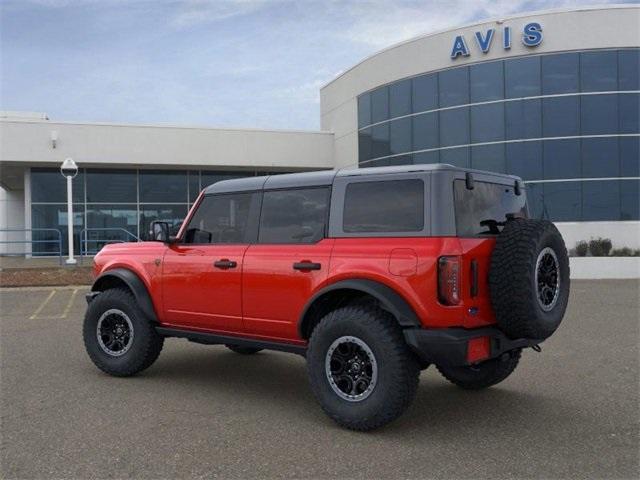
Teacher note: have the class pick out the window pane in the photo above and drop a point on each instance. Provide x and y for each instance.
(561, 159)
(600, 157)
(55, 217)
(599, 71)
(629, 112)
(294, 216)
(524, 159)
(365, 145)
(560, 73)
(400, 135)
(454, 127)
(458, 157)
(629, 200)
(388, 206)
(426, 157)
(454, 87)
(163, 186)
(174, 214)
(600, 200)
(630, 156)
(400, 160)
(488, 157)
(523, 119)
(425, 131)
(194, 185)
(380, 140)
(210, 177)
(48, 185)
(487, 123)
(108, 185)
(380, 105)
(522, 77)
(629, 69)
(364, 110)
(562, 201)
(534, 200)
(487, 81)
(223, 219)
(400, 98)
(425, 93)
(599, 114)
(560, 116)
(115, 220)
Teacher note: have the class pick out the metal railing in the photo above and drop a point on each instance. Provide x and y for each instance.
(57, 241)
(85, 240)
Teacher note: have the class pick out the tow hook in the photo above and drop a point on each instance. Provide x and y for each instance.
(536, 348)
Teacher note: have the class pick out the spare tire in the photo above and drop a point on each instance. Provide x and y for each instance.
(529, 279)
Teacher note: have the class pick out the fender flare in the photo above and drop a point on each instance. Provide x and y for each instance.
(389, 299)
(135, 284)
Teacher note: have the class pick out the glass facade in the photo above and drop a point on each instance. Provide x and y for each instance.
(115, 204)
(567, 123)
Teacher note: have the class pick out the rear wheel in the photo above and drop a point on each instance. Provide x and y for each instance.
(483, 375)
(360, 368)
(119, 339)
(243, 350)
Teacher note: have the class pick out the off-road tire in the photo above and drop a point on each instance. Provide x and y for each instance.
(243, 350)
(483, 375)
(512, 279)
(146, 344)
(398, 369)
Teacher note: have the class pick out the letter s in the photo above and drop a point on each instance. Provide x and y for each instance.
(532, 36)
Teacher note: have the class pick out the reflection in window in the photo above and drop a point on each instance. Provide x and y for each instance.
(380, 105)
(54, 217)
(488, 157)
(116, 218)
(454, 127)
(173, 214)
(487, 123)
(163, 186)
(364, 110)
(562, 201)
(629, 156)
(400, 98)
(487, 81)
(561, 158)
(629, 112)
(454, 87)
(209, 177)
(560, 116)
(599, 114)
(599, 157)
(365, 146)
(48, 185)
(629, 204)
(425, 92)
(426, 157)
(524, 159)
(223, 219)
(107, 185)
(425, 131)
(560, 73)
(629, 69)
(523, 119)
(194, 185)
(600, 200)
(380, 140)
(534, 200)
(458, 157)
(400, 135)
(599, 71)
(522, 77)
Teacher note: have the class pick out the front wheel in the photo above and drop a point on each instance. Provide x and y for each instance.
(360, 368)
(483, 375)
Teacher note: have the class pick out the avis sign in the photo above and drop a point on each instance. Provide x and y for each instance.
(531, 37)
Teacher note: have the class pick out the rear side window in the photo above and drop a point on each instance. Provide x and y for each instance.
(228, 218)
(384, 206)
(487, 203)
(294, 216)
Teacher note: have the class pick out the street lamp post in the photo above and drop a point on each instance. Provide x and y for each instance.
(69, 170)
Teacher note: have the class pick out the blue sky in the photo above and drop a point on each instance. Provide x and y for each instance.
(235, 63)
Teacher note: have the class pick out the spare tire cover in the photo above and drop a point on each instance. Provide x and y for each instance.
(529, 279)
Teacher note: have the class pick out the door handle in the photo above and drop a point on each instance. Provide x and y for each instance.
(225, 263)
(305, 265)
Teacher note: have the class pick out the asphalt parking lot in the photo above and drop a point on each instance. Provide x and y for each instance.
(201, 411)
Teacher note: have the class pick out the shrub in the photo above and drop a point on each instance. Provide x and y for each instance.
(625, 252)
(582, 248)
(600, 247)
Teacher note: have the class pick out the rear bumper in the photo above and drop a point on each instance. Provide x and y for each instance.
(449, 346)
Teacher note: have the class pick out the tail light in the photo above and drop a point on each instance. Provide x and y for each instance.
(449, 280)
(478, 349)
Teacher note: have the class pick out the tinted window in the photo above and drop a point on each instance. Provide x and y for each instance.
(599, 71)
(454, 127)
(560, 116)
(294, 216)
(364, 110)
(522, 77)
(487, 81)
(385, 206)
(365, 146)
(224, 219)
(560, 73)
(400, 98)
(630, 156)
(173, 214)
(629, 204)
(523, 119)
(51, 216)
(629, 112)
(458, 157)
(380, 140)
(209, 177)
(487, 123)
(48, 185)
(524, 159)
(427, 157)
(629, 69)
(599, 157)
(488, 157)
(425, 131)
(487, 201)
(600, 200)
(106, 185)
(114, 219)
(599, 114)
(400, 135)
(534, 200)
(194, 185)
(380, 105)
(562, 201)
(425, 93)
(163, 186)
(454, 87)
(561, 159)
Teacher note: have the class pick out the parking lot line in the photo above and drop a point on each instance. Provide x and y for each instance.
(69, 305)
(42, 305)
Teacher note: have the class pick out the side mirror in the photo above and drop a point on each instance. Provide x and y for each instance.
(159, 231)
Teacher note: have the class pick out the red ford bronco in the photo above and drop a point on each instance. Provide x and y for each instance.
(372, 274)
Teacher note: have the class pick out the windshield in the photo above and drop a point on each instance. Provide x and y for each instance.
(483, 210)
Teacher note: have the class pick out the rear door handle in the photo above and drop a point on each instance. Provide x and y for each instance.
(306, 266)
(225, 263)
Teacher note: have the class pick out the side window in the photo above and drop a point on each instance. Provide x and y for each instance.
(294, 216)
(384, 206)
(226, 218)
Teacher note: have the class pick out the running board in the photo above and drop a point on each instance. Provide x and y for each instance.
(215, 339)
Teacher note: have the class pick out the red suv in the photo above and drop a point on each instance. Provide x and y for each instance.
(372, 274)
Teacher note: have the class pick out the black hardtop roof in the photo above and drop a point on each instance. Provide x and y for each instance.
(326, 177)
